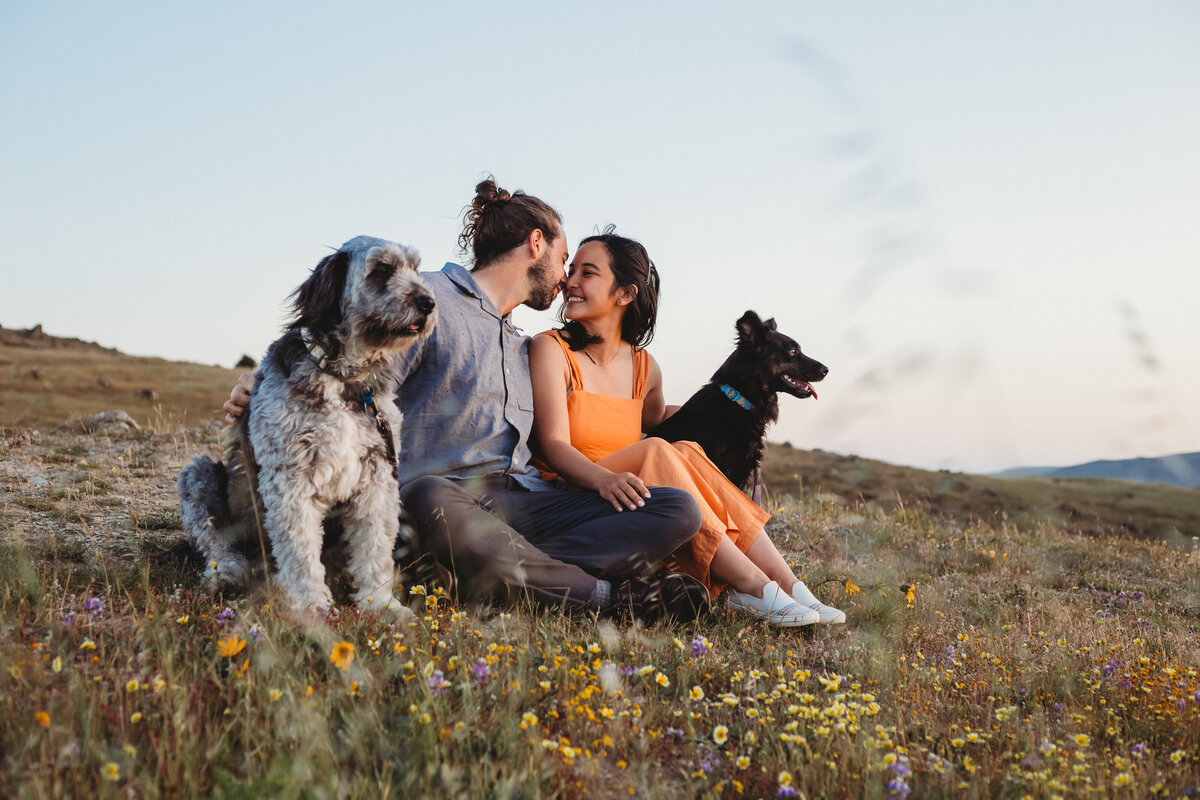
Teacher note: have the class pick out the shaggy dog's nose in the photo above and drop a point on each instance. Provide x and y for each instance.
(424, 304)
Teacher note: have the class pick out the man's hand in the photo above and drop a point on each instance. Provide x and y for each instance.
(239, 398)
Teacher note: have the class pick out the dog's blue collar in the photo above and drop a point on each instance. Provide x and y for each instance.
(737, 397)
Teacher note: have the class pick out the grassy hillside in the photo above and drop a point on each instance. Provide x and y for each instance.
(1004, 639)
(979, 659)
(46, 380)
(1096, 506)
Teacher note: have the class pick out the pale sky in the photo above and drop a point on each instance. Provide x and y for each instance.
(983, 217)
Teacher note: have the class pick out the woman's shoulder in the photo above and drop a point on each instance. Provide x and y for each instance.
(545, 344)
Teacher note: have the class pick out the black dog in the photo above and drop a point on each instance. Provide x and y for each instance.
(729, 415)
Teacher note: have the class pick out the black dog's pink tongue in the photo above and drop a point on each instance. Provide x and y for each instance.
(811, 389)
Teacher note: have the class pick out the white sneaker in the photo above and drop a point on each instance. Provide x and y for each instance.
(774, 606)
(828, 614)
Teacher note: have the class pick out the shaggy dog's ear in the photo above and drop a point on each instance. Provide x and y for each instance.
(750, 328)
(318, 301)
(771, 324)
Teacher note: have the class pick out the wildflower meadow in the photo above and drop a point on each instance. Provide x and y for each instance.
(980, 658)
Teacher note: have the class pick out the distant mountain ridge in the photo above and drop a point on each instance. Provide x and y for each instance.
(1182, 469)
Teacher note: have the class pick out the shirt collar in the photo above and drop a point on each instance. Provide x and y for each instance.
(461, 277)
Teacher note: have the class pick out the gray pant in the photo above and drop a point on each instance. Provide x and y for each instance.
(567, 539)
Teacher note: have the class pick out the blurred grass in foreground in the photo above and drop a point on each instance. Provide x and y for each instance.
(1026, 660)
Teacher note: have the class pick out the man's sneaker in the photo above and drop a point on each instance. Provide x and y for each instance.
(775, 606)
(675, 596)
(829, 615)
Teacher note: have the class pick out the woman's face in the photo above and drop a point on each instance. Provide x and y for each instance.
(590, 290)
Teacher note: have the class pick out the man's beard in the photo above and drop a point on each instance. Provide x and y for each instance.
(542, 287)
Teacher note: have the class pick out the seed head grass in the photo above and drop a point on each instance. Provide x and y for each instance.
(978, 660)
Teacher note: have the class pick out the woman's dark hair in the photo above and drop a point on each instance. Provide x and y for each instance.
(632, 268)
(497, 221)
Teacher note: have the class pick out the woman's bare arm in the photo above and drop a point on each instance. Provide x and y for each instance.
(552, 431)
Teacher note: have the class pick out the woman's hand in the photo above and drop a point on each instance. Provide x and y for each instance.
(623, 490)
(239, 398)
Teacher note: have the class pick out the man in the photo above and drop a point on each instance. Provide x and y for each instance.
(467, 404)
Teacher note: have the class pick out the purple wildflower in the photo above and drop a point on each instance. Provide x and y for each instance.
(900, 767)
(68, 620)
(897, 788)
(1139, 749)
(787, 791)
(95, 607)
(481, 672)
(1031, 760)
(224, 615)
(675, 733)
(627, 671)
(706, 760)
(699, 647)
(437, 682)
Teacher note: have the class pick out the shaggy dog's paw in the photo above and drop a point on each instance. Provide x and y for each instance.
(225, 573)
(387, 607)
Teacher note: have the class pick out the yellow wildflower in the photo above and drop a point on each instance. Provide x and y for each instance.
(785, 778)
(135, 717)
(56, 664)
(720, 734)
(850, 588)
(132, 686)
(111, 771)
(1082, 739)
(42, 718)
(909, 592)
(275, 694)
(742, 762)
(342, 655)
(230, 646)
(1178, 756)
(662, 680)
(697, 693)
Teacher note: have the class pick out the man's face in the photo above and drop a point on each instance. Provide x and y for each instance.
(546, 274)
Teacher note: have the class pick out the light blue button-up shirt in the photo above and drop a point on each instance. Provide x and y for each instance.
(465, 391)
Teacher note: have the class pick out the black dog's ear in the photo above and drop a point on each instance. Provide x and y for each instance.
(749, 328)
(318, 301)
(771, 324)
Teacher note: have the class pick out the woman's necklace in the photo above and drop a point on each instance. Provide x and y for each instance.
(606, 363)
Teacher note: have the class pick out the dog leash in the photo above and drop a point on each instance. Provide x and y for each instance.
(385, 428)
(737, 397)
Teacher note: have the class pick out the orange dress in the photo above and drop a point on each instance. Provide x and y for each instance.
(608, 430)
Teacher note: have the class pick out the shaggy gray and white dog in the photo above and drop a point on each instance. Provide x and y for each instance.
(319, 435)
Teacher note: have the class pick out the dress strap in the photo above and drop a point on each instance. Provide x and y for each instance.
(641, 372)
(572, 364)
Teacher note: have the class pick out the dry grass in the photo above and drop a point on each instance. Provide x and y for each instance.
(1042, 653)
(1030, 660)
(43, 387)
(1090, 506)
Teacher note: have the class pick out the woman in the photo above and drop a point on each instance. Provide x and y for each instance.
(592, 437)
